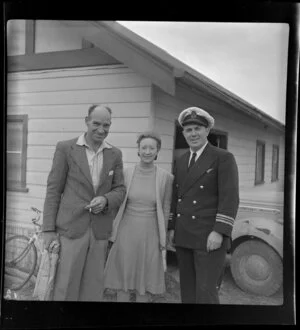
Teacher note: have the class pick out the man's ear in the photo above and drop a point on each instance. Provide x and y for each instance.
(86, 119)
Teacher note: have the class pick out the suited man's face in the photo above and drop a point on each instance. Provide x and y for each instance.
(98, 124)
(195, 136)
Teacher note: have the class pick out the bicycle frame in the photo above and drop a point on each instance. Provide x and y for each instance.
(21, 256)
(28, 248)
(32, 239)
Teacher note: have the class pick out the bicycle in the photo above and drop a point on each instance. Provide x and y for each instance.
(21, 255)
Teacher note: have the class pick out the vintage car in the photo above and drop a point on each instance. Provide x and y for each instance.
(257, 242)
(256, 254)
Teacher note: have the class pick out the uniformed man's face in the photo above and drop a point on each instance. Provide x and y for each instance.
(195, 136)
(148, 150)
(98, 124)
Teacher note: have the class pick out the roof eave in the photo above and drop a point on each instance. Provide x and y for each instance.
(236, 102)
(172, 69)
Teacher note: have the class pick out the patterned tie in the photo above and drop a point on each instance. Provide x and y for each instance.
(192, 162)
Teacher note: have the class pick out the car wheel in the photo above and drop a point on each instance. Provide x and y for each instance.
(256, 268)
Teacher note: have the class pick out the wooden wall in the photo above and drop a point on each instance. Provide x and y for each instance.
(242, 132)
(56, 102)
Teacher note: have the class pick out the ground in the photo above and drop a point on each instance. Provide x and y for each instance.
(229, 293)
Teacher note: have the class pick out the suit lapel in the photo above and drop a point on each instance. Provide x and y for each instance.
(78, 154)
(108, 159)
(183, 164)
(202, 164)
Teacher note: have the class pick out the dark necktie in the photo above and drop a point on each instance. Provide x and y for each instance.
(192, 162)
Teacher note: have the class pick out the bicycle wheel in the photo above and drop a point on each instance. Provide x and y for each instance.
(20, 261)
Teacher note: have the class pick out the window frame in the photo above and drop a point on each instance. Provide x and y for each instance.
(223, 134)
(19, 185)
(275, 177)
(262, 181)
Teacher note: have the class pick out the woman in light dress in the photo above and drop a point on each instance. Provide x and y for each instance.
(136, 262)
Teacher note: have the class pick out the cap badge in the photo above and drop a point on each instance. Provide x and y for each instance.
(193, 114)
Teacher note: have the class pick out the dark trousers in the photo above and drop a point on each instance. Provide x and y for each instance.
(200, 273)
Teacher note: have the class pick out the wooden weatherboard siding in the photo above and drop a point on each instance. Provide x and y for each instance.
(242, 132)
(56, 102)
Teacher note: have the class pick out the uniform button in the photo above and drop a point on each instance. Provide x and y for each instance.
(201, 187)
(193, 217)
(194, 202)
(178, 215)
(179, 199)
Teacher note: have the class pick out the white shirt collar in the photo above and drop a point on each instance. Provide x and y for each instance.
(82, 142)
(199, 152)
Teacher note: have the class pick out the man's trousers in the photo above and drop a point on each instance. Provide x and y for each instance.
(200, 274)
(80, 270)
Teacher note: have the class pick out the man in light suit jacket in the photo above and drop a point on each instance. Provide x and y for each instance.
(85, 188)
(204, 206)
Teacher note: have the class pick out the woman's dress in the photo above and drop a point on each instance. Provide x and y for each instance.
(135, 260)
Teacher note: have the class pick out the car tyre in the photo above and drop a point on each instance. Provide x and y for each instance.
(256, 268)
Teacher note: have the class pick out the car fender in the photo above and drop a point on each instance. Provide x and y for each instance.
(268, 231)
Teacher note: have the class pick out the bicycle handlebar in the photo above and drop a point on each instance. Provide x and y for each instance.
(36, 220)
(35, 209)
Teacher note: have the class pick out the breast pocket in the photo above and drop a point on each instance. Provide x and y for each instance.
(106, 179)
(210, 171)
(208, 182)
(109, 179)
(210, 174)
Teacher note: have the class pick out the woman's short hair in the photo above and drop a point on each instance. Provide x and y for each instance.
(150, 134)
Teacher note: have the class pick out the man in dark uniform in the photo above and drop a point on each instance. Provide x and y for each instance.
(204, 206)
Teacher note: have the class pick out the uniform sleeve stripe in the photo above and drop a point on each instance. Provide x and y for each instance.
(224, 218)
(225, 222)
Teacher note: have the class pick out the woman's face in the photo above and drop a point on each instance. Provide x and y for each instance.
(148, 150)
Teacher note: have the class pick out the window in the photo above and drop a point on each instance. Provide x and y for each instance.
(218, 139)
(16, 152)
(260, 162)
(275, 162)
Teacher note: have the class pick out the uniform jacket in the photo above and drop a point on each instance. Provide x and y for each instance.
(70, 189)
(164, 182)
(205, 198)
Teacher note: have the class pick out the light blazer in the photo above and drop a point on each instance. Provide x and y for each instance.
(205, 198)
(164, 181)
(70, 189)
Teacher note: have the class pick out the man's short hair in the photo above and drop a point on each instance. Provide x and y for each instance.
(94, 106)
